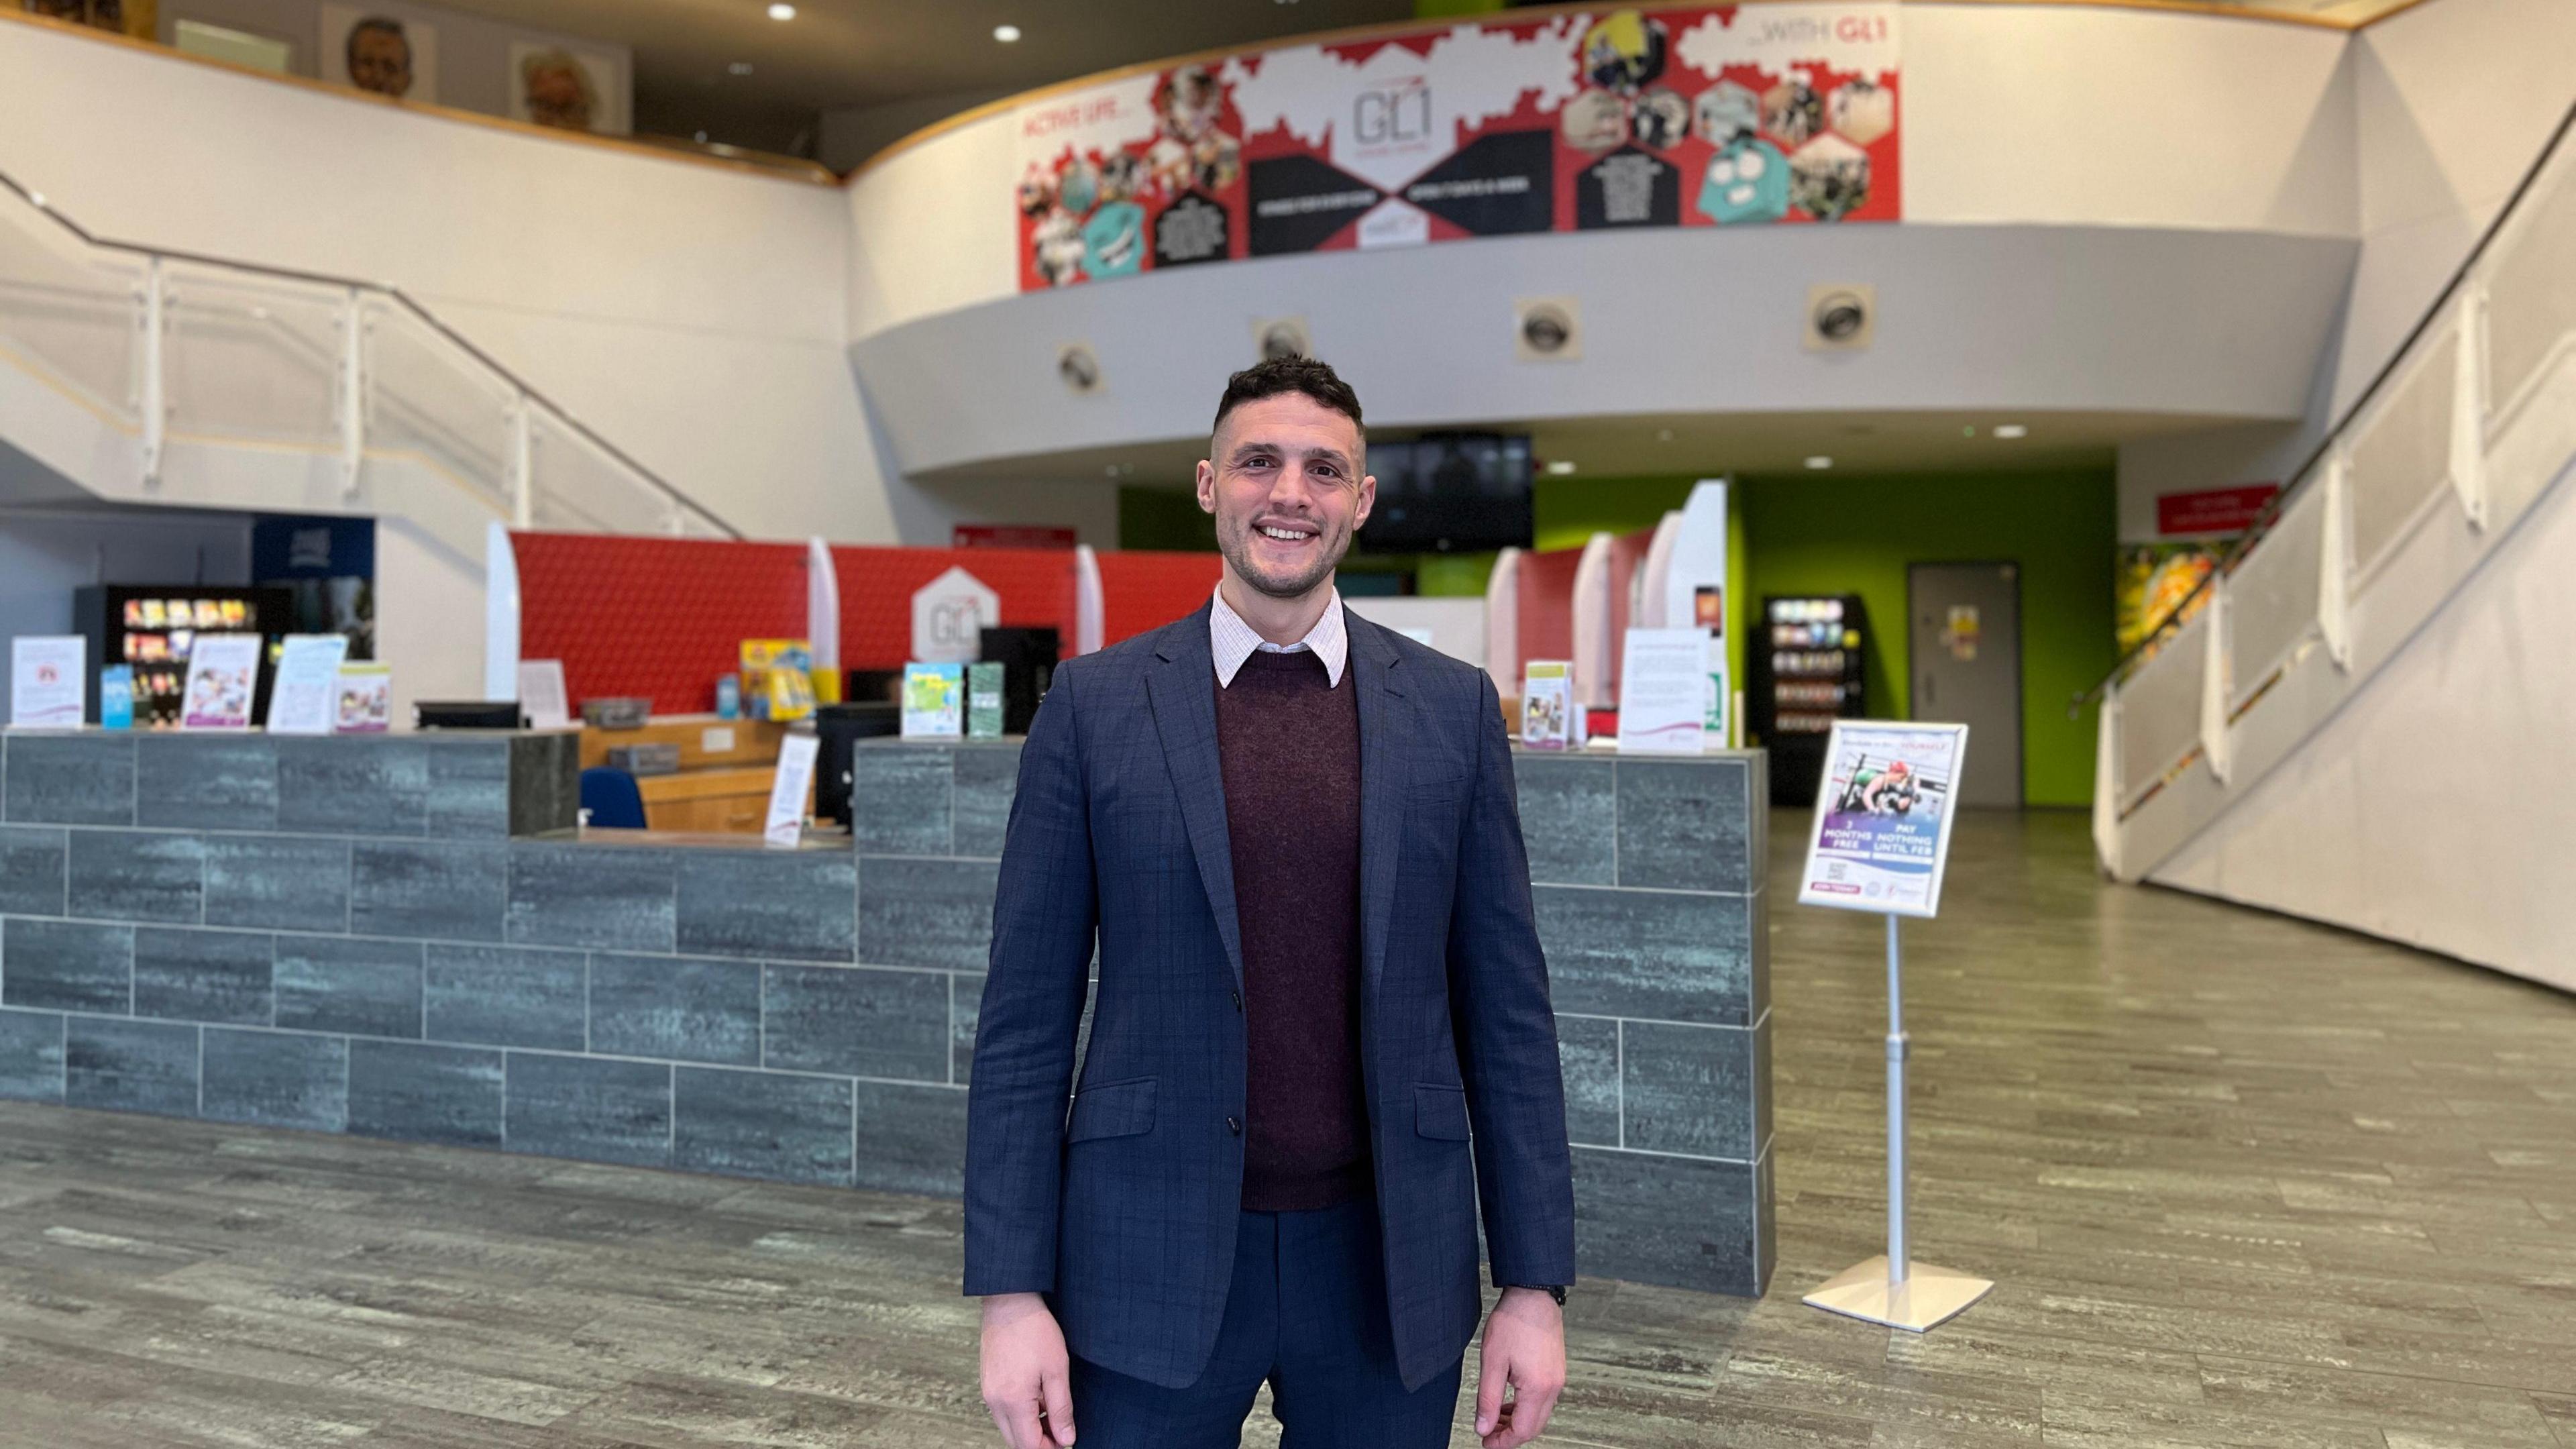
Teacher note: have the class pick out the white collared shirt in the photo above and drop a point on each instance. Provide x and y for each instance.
(1233, 641)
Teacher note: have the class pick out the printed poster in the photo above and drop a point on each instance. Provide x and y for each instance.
(1883, 811)
(1651, 116)
(49, 681)
(223, 682)
(300, 701)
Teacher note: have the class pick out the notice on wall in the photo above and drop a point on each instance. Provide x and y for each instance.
(1883, 812)
(223, 680)
(1663, 691)
(790, 788)
(1648, 116)
(303, 699)
(48, 681)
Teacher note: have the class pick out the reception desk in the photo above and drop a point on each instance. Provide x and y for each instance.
(408, 936)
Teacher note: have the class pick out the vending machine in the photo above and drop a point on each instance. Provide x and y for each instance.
(151, 627)
(1806, 661)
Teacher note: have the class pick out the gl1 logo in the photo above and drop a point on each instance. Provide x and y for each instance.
(1396, 115)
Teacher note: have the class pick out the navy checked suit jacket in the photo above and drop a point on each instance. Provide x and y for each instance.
(1123, 1209)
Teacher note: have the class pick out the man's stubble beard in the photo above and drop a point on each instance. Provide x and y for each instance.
(1236, 546)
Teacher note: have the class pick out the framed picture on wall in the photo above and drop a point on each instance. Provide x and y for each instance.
(567, 88)
(381, 51)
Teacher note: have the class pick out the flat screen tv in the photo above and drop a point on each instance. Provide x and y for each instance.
(1450, 492)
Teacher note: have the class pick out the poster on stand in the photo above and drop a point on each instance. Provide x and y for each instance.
(1547, 704)
(223, 681)
(1664, 692)
(303, 699)
(366, 700)
(48, 681)
(1883, 812)
(1645, 116)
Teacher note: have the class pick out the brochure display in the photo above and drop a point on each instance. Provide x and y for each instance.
(1880, 841)
(790, 788)
(48, 681)
(934, 701)
(1664, 690)
(1547, 704)
(223, 676)
(302, 701)
(116, 696)
(366, 700)
(984, 701)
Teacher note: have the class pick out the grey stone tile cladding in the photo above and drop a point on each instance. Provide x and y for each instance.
(1680, 1221)
(987, 777)
(680, 1010)
(545, 783)
(32, 862)
(930, 913)
(276, 1079)
(348, 984)
(586, 1107)
(183, 974)
(212, 782)
(761, 1124)
(130, 1066)
(504, 996)
(277, 882)
(1568, 817)
(355, 787)
(1587, 1050)
(129, 875)
(1686, 825)
(438, 891)
(468, 792)
(1664, 955)
(857, 1021)
(67, 966)
(911, 1139)
(899, 800)
(31, 1055)
(769, 905)
(1689, 1089)
(69, 780)
(421, 1093)
(608, 898)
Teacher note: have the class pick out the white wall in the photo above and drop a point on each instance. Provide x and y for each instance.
(691, 314)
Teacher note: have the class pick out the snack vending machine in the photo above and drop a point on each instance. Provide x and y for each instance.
(1807, 666)
(151, 628)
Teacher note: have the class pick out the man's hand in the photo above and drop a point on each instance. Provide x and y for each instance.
(1026, 1374)
(1525, 1348)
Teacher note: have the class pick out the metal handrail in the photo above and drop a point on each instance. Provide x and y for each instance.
(420, 313)
(2308, 470)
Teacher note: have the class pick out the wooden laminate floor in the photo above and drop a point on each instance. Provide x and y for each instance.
(2244, 1182)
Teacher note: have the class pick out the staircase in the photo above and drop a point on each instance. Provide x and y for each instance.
(160, 377)
(2350, 720)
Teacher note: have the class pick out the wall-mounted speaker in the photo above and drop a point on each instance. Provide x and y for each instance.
(1547, 329)
(1079, 367)
(1841, 316)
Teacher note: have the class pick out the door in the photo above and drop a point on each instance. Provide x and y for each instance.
(1964, 638)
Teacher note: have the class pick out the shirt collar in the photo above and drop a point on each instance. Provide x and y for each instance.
(1232, 641)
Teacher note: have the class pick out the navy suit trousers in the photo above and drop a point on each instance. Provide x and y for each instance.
(1306, 1312)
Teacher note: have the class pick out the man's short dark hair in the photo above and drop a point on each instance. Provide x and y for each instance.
(1273, 376)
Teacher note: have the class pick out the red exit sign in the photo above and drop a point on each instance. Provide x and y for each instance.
(2213, 510)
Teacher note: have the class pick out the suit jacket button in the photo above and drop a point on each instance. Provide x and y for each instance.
(1238, 1001)
(1234, 1125)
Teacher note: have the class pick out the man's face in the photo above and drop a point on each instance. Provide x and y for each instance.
(555, 98)
(1285, 482)
(380, 61)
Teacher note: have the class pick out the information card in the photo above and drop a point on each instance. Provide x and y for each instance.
(48, 681)
(366, 700)
(301, 701)
(1882, 832)
(934, 701)
(790, 788)
(1547, 704)
(223, 682)
(1663, 692)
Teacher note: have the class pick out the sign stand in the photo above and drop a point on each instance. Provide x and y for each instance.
(1891, 1288)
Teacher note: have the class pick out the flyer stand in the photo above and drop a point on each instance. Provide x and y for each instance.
(1880, 842)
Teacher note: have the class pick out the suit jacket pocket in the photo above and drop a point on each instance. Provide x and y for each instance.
(1440, 1112)
(1112, 1109)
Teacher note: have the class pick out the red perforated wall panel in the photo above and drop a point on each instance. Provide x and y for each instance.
(877, 585)
(655, 617)
(1141, 591)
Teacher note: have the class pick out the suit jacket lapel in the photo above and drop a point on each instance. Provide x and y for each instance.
(1182, 691)
(1382, 786)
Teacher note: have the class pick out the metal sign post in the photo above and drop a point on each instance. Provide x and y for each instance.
(1890, 1288)
(1882, 835)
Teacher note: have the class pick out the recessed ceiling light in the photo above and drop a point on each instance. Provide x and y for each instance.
(782, 11)
(740, 67)
(1006, 33)
(1560, 467)
(1820, 461)
(2011, 430)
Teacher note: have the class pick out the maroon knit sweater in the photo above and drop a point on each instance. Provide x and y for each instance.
(1288, 741)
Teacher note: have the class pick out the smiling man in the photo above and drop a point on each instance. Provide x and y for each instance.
(1321, 1030)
